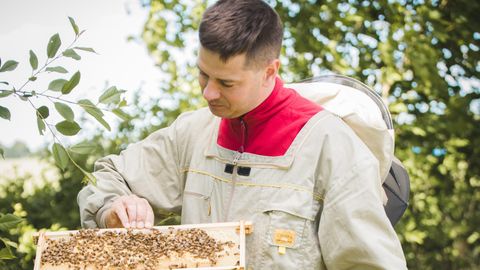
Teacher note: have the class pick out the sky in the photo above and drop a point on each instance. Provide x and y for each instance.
(28, 25)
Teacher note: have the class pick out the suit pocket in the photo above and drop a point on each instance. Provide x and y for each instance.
(197, 199)
(283, 243)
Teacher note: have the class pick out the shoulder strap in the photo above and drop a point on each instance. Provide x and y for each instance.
(397, 188)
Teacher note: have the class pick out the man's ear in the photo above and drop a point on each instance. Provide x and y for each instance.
(271, 71)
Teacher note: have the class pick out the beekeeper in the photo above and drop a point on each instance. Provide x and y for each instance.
(259, 152)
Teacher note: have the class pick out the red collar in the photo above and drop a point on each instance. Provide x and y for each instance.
(276, 101)
(271, 127)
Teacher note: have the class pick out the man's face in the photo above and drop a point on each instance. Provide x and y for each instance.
(231, 88)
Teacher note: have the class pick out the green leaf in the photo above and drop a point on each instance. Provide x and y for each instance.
(1, 153)
(3, 82)
(9, 221)
(121, 114)
(44, 112)
(33, 60)
(6, 254)
(65, 111)
(53, 45)
(7, 242)
(68, 128)
(473, 238)
(72, 54)
(60, 155)
(88, 105)
(9, 66)
(4, 113)
(40, 125)
(5, 93)
(85, 49)
(74, 25)
(91, 109)
(57, 85)
(89, 178)
(84, 148)
(419, 131)
(74, 80)
(33, 78)
(57, 69)
(122, 103)
(111, 95)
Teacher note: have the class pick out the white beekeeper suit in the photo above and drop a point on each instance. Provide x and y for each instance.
(318, 206)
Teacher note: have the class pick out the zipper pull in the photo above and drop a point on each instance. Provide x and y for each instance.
(236, 158)
(243, 130)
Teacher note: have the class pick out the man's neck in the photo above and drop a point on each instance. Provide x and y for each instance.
(267, 91)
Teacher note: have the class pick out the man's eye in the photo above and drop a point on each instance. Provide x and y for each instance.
(202, 74)
(224, 84)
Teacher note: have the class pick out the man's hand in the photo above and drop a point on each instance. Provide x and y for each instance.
(129, 212)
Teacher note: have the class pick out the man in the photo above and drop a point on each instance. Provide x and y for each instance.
(260, 152)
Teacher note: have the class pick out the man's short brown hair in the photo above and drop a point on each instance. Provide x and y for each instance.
(232, 27)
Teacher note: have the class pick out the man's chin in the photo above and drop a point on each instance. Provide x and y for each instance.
(219, 111)
(216, 110)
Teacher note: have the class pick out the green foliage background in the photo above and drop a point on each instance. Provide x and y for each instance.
(421, 56)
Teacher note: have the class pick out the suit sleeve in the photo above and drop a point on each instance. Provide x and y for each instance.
(149, 169)
(354, 231)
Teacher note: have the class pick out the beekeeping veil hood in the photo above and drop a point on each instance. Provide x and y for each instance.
(365, 112)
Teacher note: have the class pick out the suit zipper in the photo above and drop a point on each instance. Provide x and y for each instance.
(236, 158)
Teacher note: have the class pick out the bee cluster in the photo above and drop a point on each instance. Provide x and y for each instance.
(132, 250)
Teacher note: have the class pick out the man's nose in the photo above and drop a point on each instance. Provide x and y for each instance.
(211, 91)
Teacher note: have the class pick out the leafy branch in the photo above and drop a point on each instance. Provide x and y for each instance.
(111, 99)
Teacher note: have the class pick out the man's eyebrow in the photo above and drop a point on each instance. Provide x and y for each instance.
(201, 71)
(218, 79)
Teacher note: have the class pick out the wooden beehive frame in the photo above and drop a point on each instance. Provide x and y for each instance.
(241, 228)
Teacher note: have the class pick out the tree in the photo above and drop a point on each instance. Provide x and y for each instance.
(422, 57)
(16, 150)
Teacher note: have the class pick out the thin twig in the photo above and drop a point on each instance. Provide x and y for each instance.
(18, 93)
(44, 121)
(48, 63)
(55, 138)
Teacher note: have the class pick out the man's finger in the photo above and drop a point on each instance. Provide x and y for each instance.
(131, 212)
(142, 205)
(119, 210)
(150, 217)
